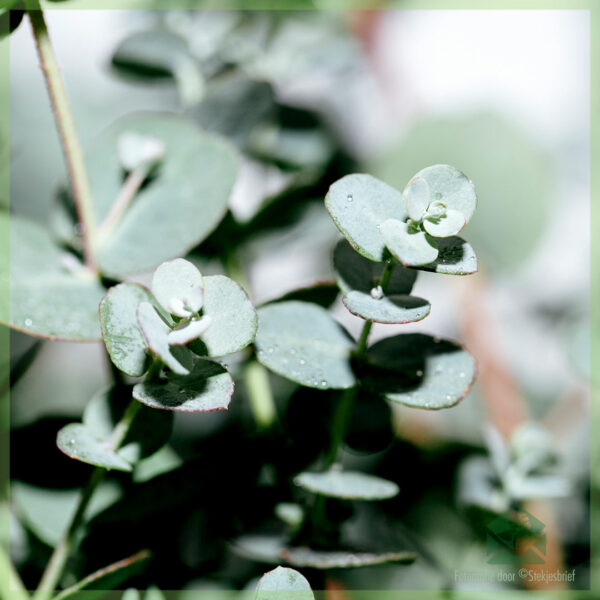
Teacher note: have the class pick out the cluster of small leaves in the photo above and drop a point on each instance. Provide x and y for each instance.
(170, 334)
(523, 469)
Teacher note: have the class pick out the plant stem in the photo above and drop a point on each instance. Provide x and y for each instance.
(56, 565)
(11, 585)
(132, 184)
(260, 394)
(80, 187)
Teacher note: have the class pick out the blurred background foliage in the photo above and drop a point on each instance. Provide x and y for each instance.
(306, 98)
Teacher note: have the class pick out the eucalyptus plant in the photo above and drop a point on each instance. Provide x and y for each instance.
(125, 262)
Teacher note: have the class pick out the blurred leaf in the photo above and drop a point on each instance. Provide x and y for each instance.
(47, 512)
(512, 177)
(108, 578)
(370, 426)
(322, 559)
(159, 54)
(234, 105)
(51, 296)
(358, 204)
(233, 319)
(420, 371)
(79, 442)
(149, 431)
(163, 461)
(208, 387)
(176, 208)
(274, 585)
(124, 341)
(347, 484)
(388, 309)
(303, 342)
(354, 272)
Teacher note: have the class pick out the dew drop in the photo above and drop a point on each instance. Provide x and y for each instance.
(448, 397)
(270, 350)
(28, 322)
(419, 373)
(349, 198)
(377, 293)
(302, 361)
(293, 351)
(323, 383)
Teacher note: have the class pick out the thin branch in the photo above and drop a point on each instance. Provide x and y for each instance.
(65, 124)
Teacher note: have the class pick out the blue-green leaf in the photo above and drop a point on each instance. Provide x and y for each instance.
(451, 187)
(79, 442)
(387, 309)
(123, 338)
(177, 208)
(456, 257)
(51, 294)
(421, 371)
(354, 272)
(233, 319)
(303, 342)
(412, 248)
(417, 198)
(448, 224)
(358, 204)
(208, 387)
(349, 485)
(283, 584)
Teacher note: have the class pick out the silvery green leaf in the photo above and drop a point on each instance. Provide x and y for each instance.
(156, 333)
(124, 340)
(176, 209)
(416, 198)
(478, 485)
(149, 431)
(208, 388)
(386, 309)
(358, 204)
(48, 298)
(451, 187)
(412, 248)
(445, 226)
(283, 584)
(349, 485)
(138, 151)
(188, 331)
(79, 442)
(355, 272)
(179, 287)
(420, 371)
(456, 257)
(233, 319)
(303, 342)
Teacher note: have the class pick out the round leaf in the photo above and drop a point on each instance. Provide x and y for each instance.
(347, 484)
(177, 208)
(450, 186)
(449, 224)
(233, 319)
(354, 272)
(156, 333)
(149, 431)
(411, 248)
(208, 387)
(358, 204)
(178, 280)
(421, 371)
(389, 309)
(303, 342)
(124, 341)
(417, 198)
(456, 257)
(51, 296)
(79, 442)
(323, 559)
(274, 584)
